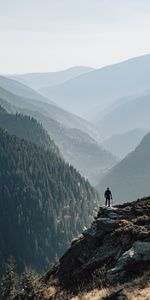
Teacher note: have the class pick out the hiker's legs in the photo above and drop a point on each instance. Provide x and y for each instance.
(107, 202)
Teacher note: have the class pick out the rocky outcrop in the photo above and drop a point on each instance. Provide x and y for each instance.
(131, 262)
(118, 242)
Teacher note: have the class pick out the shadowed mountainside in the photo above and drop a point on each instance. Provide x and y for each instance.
(69, 132)
(27, 128)
(130, 178)
(44, 202)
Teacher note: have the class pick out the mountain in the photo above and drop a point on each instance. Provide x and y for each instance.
(77, 147)
(130, 178)
(46, 109)
(44, 80)
(27, 128)
(83, 152)
(122, 144)
(44, 202)
(71, 134)
(88, 94)
(20, 89)
(126, 116)
(108, 261)
(2, 110)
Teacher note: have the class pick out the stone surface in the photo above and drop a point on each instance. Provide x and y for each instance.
(139, 253)
(118, 242)
(100, 228)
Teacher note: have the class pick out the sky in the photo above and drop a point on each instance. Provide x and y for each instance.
(51, 35)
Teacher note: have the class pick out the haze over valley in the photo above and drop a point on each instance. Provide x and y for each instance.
(94, 146)
(74, 150)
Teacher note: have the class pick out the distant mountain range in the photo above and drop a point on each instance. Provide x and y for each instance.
(45, 80)
(71, 133)
(119, 96)
(20, 89)
(15, 93)
(89, 94)
(127, 115)
(124, 143)
(130, 178)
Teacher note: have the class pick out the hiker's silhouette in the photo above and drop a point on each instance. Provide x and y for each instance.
(108, 196)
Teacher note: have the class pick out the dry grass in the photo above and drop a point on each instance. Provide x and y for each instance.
(131, 293)
(48, 293)
(138, 289)
(140, 294)
(94, 295)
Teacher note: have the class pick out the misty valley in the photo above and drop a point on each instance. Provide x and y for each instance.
(65, 137)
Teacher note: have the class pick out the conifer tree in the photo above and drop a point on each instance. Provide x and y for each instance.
(30, 285)
(9, 281)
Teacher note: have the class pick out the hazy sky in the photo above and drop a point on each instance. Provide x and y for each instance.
(48, 35)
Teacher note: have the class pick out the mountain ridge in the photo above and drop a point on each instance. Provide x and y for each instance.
(130, 177)
(19, 89)
(122, 144)
(29, 129)
(44, 79)
(94, 91)
(61, 125)
(125, 116)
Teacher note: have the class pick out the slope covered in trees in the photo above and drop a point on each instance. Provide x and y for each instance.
(44, 202)
(27, 128)
(68, 132)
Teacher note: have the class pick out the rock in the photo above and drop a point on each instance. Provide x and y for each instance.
(116, 245)
(104, 253)
(119, 295)
(76, 239)
(108, 212)
(139, 254)
(100, 228)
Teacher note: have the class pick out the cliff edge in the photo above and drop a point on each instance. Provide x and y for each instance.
(115, 249)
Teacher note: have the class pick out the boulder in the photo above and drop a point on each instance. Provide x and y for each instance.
(130, 261)
(100, 228)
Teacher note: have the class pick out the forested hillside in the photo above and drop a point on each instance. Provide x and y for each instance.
(28, 128)
(44, 202)
(73, 136)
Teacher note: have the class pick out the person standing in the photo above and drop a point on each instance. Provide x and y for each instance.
(108, 196)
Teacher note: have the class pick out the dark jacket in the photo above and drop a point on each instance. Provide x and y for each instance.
(108, 194)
